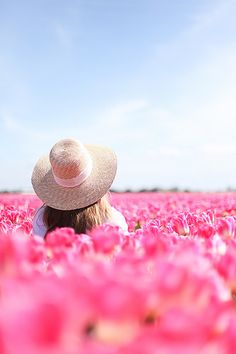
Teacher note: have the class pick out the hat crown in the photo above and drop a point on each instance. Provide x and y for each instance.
(68, 158)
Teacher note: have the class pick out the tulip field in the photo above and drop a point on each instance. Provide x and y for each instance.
(167, 286)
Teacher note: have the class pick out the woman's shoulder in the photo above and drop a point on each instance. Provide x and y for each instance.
(118, 219)
(39, 228)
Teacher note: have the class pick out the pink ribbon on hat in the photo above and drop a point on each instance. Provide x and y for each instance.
(71, 161)
(75, 181)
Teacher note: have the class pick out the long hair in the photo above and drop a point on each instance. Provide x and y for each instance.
(81, 220)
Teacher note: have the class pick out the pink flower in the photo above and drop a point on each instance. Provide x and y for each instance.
(180, 225)
(205, 230)
(61, 237)
(106, 238)
(226, 227)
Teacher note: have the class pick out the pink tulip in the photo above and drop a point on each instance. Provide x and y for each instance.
(167, 285)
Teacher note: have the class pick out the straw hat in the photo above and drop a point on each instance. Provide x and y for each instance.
(74, 175)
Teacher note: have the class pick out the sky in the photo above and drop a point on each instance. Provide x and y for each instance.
(154, 80)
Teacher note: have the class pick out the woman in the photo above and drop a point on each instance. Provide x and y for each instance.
(73, 182)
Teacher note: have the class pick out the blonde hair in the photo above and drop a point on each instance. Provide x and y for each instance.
(81, 220)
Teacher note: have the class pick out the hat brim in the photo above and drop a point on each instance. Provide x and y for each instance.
(90, 191)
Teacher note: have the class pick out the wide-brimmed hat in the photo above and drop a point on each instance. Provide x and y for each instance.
(74, 175)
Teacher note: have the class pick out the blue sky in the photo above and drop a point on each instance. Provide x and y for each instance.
(155, 80)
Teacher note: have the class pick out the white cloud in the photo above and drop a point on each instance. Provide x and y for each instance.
(197, 39)
(115, 124)
(128, 107)
(170, 151)
(219, 150)
(118, 115)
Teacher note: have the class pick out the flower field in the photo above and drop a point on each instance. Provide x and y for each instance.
(168, 286)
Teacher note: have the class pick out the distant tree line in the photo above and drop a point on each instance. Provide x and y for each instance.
(129, 190)
(13, 191)
(173, 189)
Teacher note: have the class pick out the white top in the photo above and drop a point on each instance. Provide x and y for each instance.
(40, 229)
